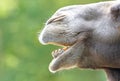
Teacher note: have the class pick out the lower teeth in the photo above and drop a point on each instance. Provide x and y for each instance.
(58, 52)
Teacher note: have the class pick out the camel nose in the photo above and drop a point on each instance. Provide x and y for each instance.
(42, 38)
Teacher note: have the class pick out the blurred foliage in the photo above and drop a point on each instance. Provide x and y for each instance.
(22, 57)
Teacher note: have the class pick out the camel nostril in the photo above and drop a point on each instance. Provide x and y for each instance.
(55, 19)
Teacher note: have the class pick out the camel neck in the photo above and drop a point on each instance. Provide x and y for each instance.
(113, 74)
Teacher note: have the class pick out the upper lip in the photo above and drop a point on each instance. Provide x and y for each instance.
(59, 44)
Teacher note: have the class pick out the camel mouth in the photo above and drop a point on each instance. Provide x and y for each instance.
(56, 53)
(60, 51)
(66, 47)
(58, 56)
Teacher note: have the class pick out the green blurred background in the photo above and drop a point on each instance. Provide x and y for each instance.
(22, 57)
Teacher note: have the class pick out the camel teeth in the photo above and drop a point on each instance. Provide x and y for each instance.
(56, 51)
(59, 49)
(53, 52)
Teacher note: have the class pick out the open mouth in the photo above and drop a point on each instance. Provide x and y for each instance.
(66, 57)
(61, 58)
(58, 52)
(66, 47)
